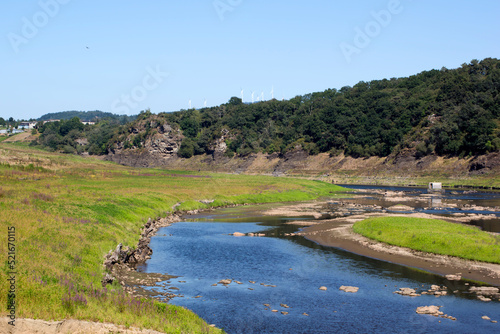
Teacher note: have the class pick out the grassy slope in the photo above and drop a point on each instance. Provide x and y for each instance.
(433, 236)
(69, 212)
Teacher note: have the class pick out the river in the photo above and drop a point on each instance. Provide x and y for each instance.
(282, 273)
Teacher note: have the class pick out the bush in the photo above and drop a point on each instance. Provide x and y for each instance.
(187, 149)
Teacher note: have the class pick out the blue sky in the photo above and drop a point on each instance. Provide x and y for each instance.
(124, 56)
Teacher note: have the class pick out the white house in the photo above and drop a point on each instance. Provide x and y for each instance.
(27, 125)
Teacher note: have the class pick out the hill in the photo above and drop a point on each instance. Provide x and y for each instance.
(445, 112)
(86, 116)
(408, 123)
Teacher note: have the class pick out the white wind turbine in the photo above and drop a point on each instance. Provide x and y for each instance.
(262, 96)
(253, 100)
(242, 95)
(205, 103)
(272, 93)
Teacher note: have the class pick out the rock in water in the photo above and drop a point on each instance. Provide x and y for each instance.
(351, 289)
(432, 310)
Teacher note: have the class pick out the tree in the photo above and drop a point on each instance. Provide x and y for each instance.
(235, 101)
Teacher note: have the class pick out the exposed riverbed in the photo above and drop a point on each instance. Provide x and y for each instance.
(283, 272)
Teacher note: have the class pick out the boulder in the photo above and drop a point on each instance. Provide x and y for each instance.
(238, 234)
(407, 292)
(484, 290)
(351, 289)
(323, 288)
(225, 281)
(483, 298)
(456, 277)
(432, 310)
(107, 279)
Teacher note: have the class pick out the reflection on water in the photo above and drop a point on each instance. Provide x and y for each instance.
(203, 252)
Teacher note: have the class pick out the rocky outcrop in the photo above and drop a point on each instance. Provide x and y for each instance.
(147, 144)
(131, 257)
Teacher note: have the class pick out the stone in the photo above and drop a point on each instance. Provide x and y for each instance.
(284, 305)
(284, 313)
(225, 281)
(351, 289)
(323, 288)
(485, 317)
(456, 277)
(238, 234)
(432, 310)
(107, 279)
(407, 292)
(483, 298)
(484, 290)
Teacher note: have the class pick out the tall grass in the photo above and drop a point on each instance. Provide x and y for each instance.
(433, 236)
(69, 212)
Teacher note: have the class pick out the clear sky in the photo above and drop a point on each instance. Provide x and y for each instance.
(124, 56)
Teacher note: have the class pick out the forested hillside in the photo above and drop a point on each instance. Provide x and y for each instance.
(442, 112)
(87, 116)
(447, 112)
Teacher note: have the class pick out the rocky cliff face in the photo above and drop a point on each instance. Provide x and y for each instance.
(150, 143)
(147, 144)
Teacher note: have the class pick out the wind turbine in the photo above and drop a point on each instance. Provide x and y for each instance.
(253, 97)
(262, 96)
(205, 103)
(272, 93)
(241, 94)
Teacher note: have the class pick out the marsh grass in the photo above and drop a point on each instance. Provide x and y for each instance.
(69, 212)
(433, 236)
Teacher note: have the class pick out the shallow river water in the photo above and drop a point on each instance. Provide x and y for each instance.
(278, 271)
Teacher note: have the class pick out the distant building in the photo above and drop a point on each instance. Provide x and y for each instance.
(51, 120)
(88, 123)
(27, 125)
(435, 186)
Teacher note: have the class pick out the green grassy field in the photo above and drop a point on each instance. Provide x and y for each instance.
(433, 236)
(68, 212)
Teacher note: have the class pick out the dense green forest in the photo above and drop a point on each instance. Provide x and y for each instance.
(445, 112)
(72, 136)
(87, 116)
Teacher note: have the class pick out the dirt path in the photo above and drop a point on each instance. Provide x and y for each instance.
(30, 326)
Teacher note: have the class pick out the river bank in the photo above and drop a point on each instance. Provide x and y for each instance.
(339, 233)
